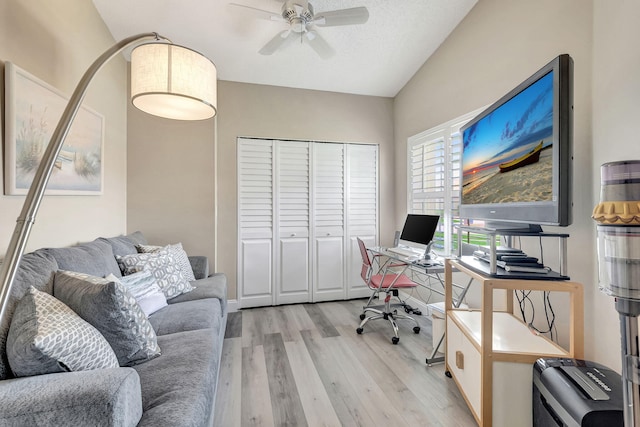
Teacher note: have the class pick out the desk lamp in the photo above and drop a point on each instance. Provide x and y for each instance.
(166, 80)
(618, 217)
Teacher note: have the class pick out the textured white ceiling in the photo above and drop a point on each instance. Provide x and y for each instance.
(376, 58)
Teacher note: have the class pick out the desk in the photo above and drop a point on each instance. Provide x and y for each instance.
(422, 275)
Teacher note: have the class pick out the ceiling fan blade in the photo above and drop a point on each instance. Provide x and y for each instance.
(277, 42)
(319, 44)
(334, 18)
(258, 13)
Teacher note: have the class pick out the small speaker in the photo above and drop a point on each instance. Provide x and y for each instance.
(396, 239)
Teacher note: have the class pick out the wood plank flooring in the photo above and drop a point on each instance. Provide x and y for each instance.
(304, 365)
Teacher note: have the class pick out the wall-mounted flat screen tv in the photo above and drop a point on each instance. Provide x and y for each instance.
(517, 154)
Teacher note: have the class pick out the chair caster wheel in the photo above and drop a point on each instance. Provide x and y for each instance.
(407, 309)
(362, 316)
(395, 340)
(448, 374)
(416, 329)
(359, 331)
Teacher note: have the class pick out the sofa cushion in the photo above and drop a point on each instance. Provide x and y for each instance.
(110, 308)
(178, 253)
(36, 269)
(95, 258)
(178, 388)
(214, 286)
(46, 336)
(125, 245)
(162, 265)
(145, 289)
(187, 316)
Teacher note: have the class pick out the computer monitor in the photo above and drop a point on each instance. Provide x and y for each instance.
(418, 231)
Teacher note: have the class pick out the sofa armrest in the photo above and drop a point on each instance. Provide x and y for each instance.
(105, 397)
(200, 266)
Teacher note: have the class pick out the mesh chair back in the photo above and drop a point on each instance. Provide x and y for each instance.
(366, 262)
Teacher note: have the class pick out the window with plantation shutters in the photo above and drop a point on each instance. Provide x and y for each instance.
(434, 177)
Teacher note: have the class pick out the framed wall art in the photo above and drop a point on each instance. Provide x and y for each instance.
(32, 111)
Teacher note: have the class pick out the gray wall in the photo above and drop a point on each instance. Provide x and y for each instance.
(56, 42)
(180, 180)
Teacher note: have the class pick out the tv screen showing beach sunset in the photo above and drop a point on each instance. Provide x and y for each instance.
(507, 155)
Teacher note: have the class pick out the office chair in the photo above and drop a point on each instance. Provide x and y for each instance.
(388, 283)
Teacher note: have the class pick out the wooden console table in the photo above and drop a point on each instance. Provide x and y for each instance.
(490, 355)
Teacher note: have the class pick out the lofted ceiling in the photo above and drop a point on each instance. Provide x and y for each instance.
(376, 58)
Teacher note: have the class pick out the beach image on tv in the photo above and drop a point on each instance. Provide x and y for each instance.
(508, 153)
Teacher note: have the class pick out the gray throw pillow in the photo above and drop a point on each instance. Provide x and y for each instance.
(164, 268)
(178, 253)
(144, 288)
(113, 311)
(95, 258)
(46, 336)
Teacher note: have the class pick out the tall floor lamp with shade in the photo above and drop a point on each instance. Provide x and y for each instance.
(167, 80)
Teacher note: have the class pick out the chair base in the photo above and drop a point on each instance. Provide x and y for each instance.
(387, 314)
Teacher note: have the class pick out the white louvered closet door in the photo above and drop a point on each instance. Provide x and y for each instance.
(362, 210)
(255, 222)
(292, 212)
(300, 206)
(328, 222)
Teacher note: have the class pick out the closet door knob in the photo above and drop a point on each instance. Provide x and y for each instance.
(293, 234)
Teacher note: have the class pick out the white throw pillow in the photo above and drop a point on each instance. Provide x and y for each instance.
(145, 289)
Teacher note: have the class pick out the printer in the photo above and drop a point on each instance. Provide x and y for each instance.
(573, 392)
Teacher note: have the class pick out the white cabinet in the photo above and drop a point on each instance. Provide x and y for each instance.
(490, 354)
(301, 205)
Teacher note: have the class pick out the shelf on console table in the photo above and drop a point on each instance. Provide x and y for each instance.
(490, 355)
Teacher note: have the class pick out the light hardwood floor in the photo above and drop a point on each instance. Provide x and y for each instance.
(304, 365)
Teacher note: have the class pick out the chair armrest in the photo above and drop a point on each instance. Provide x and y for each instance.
(200, 266)
(105, 397)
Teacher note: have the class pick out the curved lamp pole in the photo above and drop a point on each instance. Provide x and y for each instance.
(32, 203)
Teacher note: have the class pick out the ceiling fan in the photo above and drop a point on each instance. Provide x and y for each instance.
(302, 22)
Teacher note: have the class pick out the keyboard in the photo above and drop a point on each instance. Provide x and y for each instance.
(406, 252)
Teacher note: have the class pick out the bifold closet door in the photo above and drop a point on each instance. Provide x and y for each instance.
(301, 206)
(362, 210)
(292, 219)
(328, 221)
(255, 222)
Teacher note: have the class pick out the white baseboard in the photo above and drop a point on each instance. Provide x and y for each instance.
(232, 305)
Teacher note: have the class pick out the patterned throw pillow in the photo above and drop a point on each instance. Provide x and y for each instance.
(144, 288)
(164, 268)
(112, 310)
(178, 253)
(46, 336)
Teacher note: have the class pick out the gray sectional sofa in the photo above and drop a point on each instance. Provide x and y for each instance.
(176, 388)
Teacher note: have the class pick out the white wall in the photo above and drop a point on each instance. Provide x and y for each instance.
(56, 42)
(616, 109)
(498, 45)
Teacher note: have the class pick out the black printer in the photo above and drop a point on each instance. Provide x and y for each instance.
(572, 392)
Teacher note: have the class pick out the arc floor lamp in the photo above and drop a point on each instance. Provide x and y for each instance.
(167, 80)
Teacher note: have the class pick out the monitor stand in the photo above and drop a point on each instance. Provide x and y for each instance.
(427, 251)
(513, 227)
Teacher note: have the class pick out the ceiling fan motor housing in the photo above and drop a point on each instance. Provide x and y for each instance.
(297, 20)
